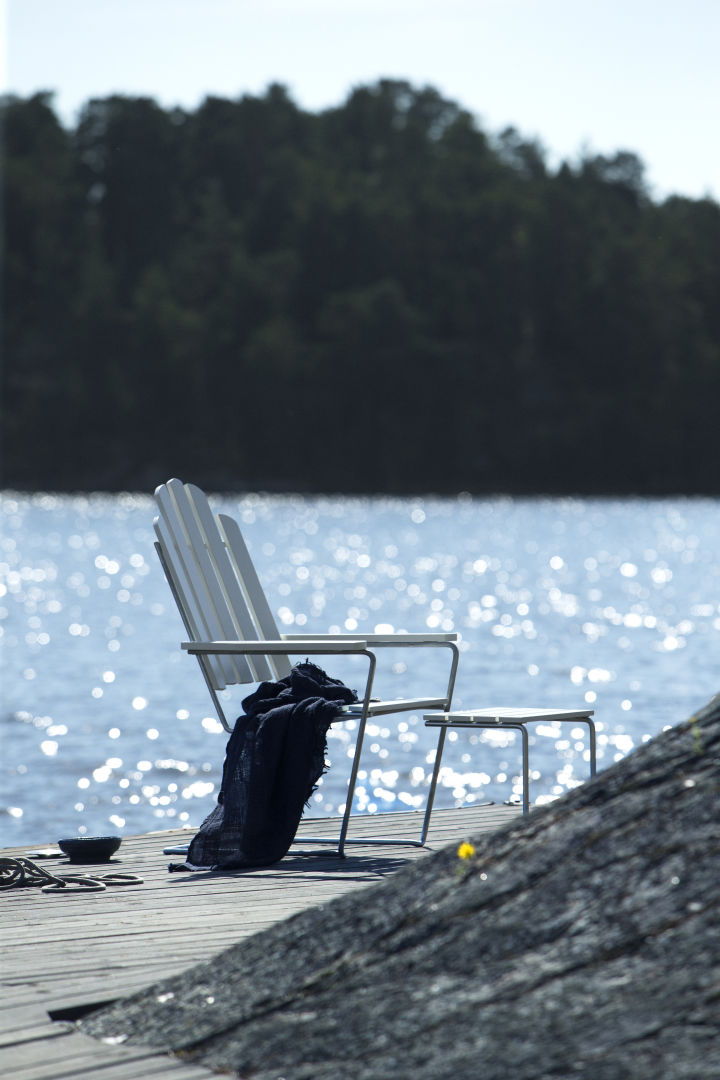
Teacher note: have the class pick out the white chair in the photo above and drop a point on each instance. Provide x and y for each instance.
(235, 638)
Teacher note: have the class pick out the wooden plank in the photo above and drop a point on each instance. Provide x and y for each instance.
(70, 1056)
(79, 1056)
(69, 951)
(39, 1032)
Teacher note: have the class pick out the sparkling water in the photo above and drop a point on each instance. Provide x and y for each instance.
(106, 726)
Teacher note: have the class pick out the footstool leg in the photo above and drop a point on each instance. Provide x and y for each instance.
(433, 785)
(526, 769)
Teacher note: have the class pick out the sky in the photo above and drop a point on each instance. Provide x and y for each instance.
(580, 76)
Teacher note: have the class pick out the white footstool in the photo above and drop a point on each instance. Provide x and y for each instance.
(514, 719)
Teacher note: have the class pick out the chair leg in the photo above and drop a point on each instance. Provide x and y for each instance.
(372, 662)
(351, 785)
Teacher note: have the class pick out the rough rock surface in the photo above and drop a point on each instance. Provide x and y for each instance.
(580, 942)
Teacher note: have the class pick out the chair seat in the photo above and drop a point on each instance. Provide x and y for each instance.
(380, 708)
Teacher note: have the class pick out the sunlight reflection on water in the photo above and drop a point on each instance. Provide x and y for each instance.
(614, 604)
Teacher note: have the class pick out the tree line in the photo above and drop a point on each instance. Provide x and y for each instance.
(377, 297)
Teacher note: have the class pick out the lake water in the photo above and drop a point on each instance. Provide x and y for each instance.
(107, 727)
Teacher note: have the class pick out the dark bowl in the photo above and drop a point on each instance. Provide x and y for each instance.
(90, 849)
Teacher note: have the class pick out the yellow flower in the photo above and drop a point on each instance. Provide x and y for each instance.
(466, 851)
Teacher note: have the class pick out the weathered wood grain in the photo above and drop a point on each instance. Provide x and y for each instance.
(72, 951)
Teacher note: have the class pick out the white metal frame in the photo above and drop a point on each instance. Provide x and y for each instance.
(234, 636)
(514, 719)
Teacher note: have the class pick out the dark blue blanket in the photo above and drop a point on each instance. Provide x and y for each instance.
(274, 758)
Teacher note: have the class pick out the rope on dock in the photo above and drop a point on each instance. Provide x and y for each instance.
(15, 873)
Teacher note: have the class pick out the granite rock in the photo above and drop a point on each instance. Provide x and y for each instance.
(582, 941)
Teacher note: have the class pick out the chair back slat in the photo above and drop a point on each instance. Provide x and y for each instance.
(215, 584)
(244, 626)
(198, 594)
(178, 580)
(254, 594)
(188, 606)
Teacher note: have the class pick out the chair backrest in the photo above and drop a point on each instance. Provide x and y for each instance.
(215, 584)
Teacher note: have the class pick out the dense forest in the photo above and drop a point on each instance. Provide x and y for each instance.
(379, 297)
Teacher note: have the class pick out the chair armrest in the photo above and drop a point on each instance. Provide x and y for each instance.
(254, 648)
(379, 640)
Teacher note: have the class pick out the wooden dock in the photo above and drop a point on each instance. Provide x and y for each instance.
(65, 953)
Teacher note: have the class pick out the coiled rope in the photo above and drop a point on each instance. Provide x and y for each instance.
(16, 873)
